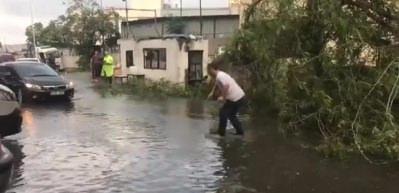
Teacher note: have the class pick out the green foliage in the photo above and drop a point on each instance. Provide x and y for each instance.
(327, 68)
(83, 25)
(176, 26)
(38, 28)
(161, 89)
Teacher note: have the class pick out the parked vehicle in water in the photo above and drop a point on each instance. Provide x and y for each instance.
(6, 58)
(35, 81)
(10, 122)
(50, 56)
(10, 114)
(28, 60)
(6, 161)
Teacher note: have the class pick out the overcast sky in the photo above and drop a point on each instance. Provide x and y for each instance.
(15, 14)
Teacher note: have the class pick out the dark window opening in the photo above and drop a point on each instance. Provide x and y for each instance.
(155, 58)
(129, 58)
(195, 70)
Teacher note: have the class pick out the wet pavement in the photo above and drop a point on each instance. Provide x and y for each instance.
(107, 143)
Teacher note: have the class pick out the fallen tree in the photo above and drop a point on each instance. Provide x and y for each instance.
(328, 68)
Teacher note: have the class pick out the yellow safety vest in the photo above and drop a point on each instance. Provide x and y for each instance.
(108, 66)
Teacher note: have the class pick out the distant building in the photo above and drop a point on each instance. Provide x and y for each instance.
(218, 29)
(178, 59)
(146, 33)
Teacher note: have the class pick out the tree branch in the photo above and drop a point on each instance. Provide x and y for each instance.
(251, 10)
(382, 17)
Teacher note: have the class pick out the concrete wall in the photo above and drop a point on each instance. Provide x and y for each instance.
(195, 11)
(146, 30)
(218, 30)
(212, 27)
(146, 4)
(215, 44)
(176, 58)
(143, 4)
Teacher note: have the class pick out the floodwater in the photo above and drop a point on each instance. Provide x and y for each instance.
(105, 143)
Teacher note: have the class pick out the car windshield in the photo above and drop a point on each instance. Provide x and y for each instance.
(34, 70)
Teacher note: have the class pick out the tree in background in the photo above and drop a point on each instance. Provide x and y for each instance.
(176, 26)
(83, 26)
(38, 28)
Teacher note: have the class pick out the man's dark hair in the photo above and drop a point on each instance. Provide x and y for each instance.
(216, 63)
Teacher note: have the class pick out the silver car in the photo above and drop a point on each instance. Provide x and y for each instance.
(10, 121)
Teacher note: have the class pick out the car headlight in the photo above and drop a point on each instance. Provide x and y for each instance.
(33, 86)
(7, 96)
(70, 85)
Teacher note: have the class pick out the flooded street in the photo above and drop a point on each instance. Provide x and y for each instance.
(117, 143)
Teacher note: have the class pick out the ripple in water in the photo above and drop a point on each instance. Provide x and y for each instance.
(110, 154)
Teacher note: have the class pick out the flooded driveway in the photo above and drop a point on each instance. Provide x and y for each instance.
(116, 143)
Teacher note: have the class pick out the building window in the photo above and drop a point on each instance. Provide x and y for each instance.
(155, 58)
(129, 58)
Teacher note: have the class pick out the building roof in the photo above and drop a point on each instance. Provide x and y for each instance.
(171, 36)
(162, 19)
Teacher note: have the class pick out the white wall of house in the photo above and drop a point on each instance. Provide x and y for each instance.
(176, 58)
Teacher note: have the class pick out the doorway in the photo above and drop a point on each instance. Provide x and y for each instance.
(195, 68)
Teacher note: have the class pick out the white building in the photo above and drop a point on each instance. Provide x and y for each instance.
(178, 59)
(147, 49)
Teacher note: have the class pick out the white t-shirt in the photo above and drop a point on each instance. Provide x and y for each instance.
(235, 92)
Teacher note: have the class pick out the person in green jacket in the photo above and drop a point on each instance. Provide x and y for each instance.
(108, 68)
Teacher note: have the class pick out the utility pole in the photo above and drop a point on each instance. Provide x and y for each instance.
(127, 19)
(201, 22)
(103, 26)
(181, 8)
(33, 29)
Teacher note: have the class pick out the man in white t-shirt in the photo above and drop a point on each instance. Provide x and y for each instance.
(231, 94)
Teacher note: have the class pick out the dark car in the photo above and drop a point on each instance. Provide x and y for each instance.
(35, 81)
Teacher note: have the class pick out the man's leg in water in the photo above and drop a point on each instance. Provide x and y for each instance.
(224, 114)
(233, 116)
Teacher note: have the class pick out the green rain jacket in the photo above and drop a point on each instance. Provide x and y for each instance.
(108, 66)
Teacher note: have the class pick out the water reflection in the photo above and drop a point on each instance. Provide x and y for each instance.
(273, 164)
(195, 108)
(58, 106)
